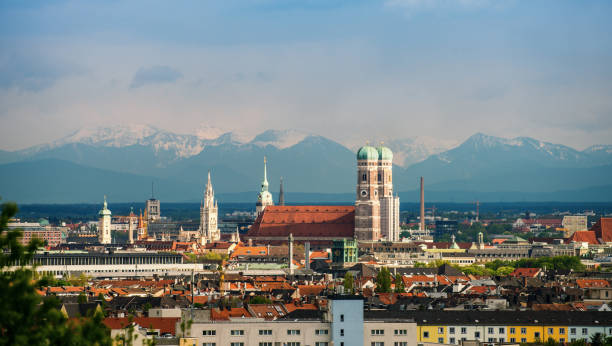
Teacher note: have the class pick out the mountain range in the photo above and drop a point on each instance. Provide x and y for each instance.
(122, 161)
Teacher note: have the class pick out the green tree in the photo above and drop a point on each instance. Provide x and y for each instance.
(25, 317)
(259, 300)
(82, 299)
(399, 284)
(348, 282)
(383, 281)
(404, 234)
(504, 271)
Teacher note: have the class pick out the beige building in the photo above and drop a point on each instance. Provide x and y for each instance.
(573, 223)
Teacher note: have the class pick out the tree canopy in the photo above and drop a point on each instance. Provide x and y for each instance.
(26, 318)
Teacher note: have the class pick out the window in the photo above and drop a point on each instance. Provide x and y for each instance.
(536, 335)
(293, 344)
(562, 331)
(440, 340)
(379, 177)
(265, 344)
(523, 339)
(236, 332)
(400, 343)
(477, 335)
(321, 331)
(463, 330)
(209, 344)
(341, 318)
(364, 177)
(400, 332)
(451, 340)
(341, 332)
(341, 343)
(378, 343)
(440, 330)
(451, 330)
(490, 330)
(209, 332)
(551, 331)
(561, 340)
(321, 343)
(502, 330)
(237, 344)
(573, 331)
(491, 340)
(293, 332)
(377, 332)
(513, 331)
(585, 331)
(502, 339)
(425, 334)
(523, 330)
(265, 332)
(512, 339)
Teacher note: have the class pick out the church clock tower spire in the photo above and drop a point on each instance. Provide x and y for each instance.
(265, 197)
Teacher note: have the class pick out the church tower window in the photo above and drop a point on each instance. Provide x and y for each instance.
(364, 177)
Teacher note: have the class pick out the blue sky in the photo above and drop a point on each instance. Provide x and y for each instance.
(349, 70)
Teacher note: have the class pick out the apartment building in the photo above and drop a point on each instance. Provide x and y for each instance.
(451, 327)
(344, 323)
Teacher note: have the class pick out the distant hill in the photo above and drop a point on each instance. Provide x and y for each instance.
(122, 161)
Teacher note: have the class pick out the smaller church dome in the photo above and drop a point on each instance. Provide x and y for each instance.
(367, 153)
(385, 154)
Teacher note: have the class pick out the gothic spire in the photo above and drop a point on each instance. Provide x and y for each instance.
(264, 183)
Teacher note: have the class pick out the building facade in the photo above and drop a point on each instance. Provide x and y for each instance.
(264, 198)
(104, 224)
(153, 208)
(209, 213)
(376, 209)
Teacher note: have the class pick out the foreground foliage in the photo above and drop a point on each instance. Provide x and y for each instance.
(25, 317)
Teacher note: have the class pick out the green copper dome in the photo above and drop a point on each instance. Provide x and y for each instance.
(385, 154)
(367, 153)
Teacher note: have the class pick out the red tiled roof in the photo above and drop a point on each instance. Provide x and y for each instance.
(267, 311)
(588, 283)
(603, 229)
(310, 290)
(300, 306)
(225, 314)
(305, 221)
(584, 236)
(249, 251)
(219, 245)
(164, 324)
(525, 272)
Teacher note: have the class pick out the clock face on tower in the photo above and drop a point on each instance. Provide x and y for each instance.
(364, 193)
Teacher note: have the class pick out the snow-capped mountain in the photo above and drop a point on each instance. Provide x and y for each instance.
(416, 149)
(281, 139)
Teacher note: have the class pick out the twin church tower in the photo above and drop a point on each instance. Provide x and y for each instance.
(376, 209)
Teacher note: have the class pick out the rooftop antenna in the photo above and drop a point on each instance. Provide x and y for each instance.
(152, 195)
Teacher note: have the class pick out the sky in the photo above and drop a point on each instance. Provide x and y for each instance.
(348, 70)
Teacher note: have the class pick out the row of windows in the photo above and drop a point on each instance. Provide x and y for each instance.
(502, 330)
(240, 332)
(382, 332)
(397, 343)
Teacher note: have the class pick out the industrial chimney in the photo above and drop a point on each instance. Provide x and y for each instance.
(307, 254)
(422, 221)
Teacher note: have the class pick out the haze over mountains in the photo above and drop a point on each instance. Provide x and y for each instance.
(122, 161)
